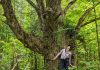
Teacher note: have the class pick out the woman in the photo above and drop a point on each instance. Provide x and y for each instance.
(65, 58)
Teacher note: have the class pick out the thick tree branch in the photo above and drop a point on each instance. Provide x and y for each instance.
(39, 7)
(82, 18)
(32, 4)
(53, 3)
(68, 6)
(86, 23)
(66, 9)
(40, 4)
(29, 40)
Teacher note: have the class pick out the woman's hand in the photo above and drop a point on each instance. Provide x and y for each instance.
(71, 65)
(53, 59)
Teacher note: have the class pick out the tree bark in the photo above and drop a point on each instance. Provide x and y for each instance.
(50, 15)
(50, 64)
(28, 40)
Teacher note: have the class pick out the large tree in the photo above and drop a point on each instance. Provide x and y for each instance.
(50, 16)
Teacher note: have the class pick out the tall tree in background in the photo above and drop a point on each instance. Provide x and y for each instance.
(50, 15)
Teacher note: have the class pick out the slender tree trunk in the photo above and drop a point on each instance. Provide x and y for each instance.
(97, 35)
(14, 63)
(35, 63)
(31, 55)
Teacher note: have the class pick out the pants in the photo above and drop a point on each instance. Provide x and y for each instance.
(64, 63)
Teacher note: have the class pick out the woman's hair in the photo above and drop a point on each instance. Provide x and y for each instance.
(70, 47)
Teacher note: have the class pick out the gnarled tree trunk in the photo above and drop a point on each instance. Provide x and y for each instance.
(50, 15)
